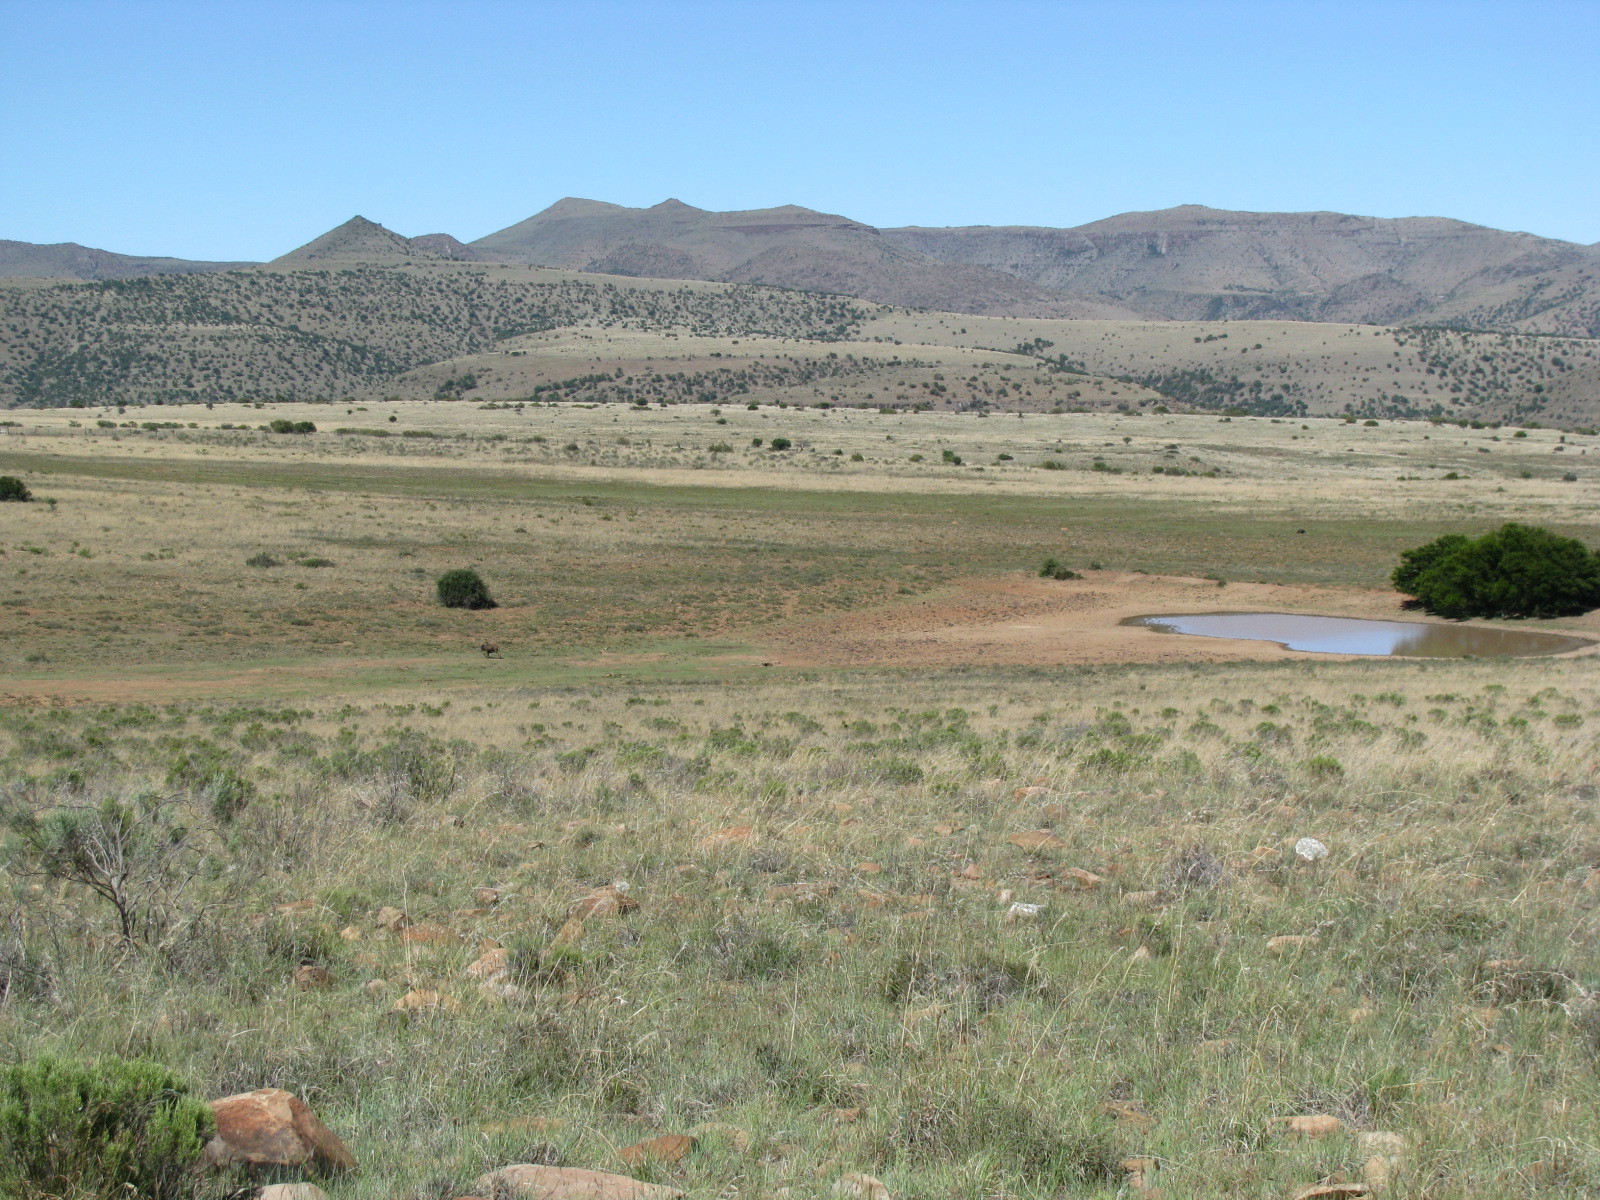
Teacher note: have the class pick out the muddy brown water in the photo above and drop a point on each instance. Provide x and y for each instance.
(1356, 635)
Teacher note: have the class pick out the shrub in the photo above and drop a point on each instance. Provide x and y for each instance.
(1056, 570)
(951, 457)
(780, 443)
(262, 560)
(464, 588)
(1514, 571)
(112, 1128)
(12, 488)
(282, 425)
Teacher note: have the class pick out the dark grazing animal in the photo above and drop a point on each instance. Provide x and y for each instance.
(489, 649)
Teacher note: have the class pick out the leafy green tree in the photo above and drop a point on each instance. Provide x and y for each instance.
(12, 488)
(464, 588)
(1514, 571)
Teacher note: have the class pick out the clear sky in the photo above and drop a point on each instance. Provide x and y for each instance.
(237, 129)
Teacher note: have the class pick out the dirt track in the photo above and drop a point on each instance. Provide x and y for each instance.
(1023, 620)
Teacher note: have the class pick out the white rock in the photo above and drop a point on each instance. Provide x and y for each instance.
(1308, 849)
(1024, 910)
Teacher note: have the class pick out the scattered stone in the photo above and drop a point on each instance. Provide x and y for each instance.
(1142, 899)
(609, 901)
(668, 1148)
(311, 977)
(1378, 1142)
(1023, 912)
(1333, 1191)
(486, 895)
(526, 1181)
(1128, 1114)
(719, 1131)
(1378, 1171)
(1308, 849)
(273, 1128)
(429, 935)
(392, 919)
(866, 1187)
(846, 1116)
(1036, 840)
(426, 1000)
(1084, 881)
(1316, 1125)
(291, 1191)
(1142, 954)
(868, 868)
(1215, 1046)
(350, 934)
(496, 964)
(1285, 942)
(1138, 1171)
(569, 934)
(295, 907)
(1028, 793)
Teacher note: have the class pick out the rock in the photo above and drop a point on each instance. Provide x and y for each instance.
(1286, 942)
(486, 895)
(668, 1148)
(1138, 1171)
(1084, 881)
(419, 1000)
(295, 907)
(273, 1128)
(1129, 1115)
(1308, 849)
(846, 1116)
(429, 935)
(494, 965)
(1023, 912)
(1215, 1046)
(1378, 1171)
(1142, 899)
(504, 993)
(525, 1181)
(1316, 1125)
(310, 977)
(1036, 840)
(1333, 1191)
(868, 868)
(1379, 1142)
(1029, 793)
(291, 1191)
(375, 987)
(350, 934)
(569, 934)
(392, 919)
(609, 901)
(867, 1187)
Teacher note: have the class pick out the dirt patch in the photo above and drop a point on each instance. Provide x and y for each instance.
(1019, 620)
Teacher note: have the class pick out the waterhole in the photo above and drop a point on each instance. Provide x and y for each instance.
(1354, 635)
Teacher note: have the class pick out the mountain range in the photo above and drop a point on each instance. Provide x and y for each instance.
(1185, 263)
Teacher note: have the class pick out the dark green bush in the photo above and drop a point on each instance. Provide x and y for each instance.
(12, 488)
(262, 560)
(1057, 570)
(464, 588)
(1514, 571)
(111, 1128)
(780, 443)
(282, 425)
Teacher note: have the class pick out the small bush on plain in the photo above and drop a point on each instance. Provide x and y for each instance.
(464, 588)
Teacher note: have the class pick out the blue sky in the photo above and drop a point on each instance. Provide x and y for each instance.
(229, 129)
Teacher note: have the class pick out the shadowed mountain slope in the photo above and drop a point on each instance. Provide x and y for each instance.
(787, 247)
(1197, 263)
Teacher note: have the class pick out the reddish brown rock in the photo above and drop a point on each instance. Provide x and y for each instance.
(668, 1148)
(273, 1128)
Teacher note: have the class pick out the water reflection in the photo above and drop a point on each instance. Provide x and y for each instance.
(1353, 635)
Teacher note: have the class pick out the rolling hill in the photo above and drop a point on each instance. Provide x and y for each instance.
(68, 260)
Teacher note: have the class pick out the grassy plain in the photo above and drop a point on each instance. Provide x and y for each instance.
(825, 973)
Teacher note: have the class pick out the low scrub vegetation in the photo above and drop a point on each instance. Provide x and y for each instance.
(1222, 930)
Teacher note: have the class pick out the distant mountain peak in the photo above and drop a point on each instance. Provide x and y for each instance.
(670, 205)
(361, 240)
(577, 206)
